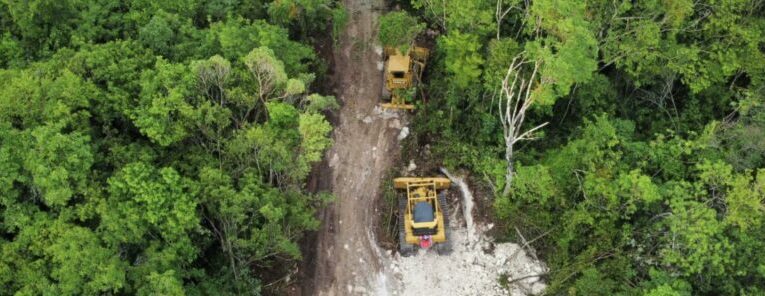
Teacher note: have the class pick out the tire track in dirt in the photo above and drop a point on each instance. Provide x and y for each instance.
(347, 259)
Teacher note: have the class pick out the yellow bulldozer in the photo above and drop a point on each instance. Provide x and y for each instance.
(402, 73)
(423, 215)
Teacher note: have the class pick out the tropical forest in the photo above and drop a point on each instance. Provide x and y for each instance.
(303, 147)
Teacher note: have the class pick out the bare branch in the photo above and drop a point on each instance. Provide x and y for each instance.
(500, 14)
(516, 99)
(527, 135)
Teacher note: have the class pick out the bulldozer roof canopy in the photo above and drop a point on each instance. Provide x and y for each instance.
(398, 63)
(423, 212)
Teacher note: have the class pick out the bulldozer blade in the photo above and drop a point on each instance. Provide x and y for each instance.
(397, 106)
(401, 183)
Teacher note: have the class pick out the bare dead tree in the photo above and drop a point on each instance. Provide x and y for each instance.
(500, 14)
(516, 97)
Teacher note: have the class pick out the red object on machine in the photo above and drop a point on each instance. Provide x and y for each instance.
(425, 241)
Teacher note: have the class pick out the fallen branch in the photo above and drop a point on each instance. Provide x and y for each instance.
(526, 244)
(526, 277)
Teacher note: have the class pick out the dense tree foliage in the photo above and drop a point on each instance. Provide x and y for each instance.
(650, 176)
(157, 147)
(398, 30)
(162, 147)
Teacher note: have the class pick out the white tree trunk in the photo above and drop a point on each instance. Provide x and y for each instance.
(510, 170)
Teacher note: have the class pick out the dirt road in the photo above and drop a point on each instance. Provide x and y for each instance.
(347, 261)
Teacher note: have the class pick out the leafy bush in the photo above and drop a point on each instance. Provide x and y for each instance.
(399, 29)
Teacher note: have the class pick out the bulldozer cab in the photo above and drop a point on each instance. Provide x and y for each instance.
(402, 72)
(399, 75)
(422, 206)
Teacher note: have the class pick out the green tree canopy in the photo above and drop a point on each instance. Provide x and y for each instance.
(399, 29)
(138, 155)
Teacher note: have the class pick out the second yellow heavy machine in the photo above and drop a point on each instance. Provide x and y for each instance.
(403, 73)
(423, 215)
